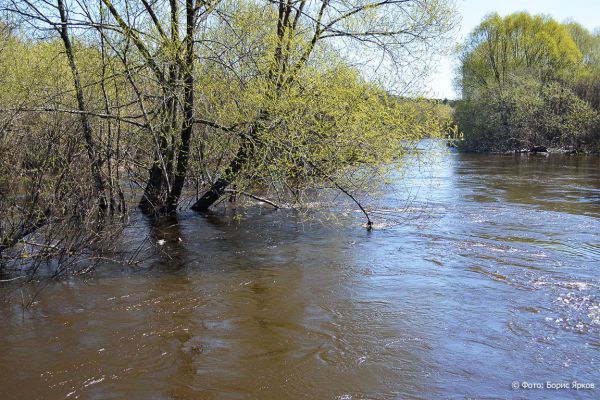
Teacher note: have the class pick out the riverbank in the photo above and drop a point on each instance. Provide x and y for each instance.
(568, 150)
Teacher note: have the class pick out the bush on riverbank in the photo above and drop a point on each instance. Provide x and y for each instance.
(526, 115)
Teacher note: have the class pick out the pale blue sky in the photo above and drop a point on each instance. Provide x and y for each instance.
(586, 12)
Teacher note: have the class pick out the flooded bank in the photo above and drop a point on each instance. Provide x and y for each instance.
(490, 276)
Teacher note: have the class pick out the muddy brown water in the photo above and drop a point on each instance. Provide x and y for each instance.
(488, 275)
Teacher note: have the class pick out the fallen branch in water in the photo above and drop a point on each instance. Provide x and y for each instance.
(369, 224)
(253, 197)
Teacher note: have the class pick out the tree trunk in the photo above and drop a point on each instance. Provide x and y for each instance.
(218, 188)
(158, 186)
(188, 105)
(150, 202)
(87, 127)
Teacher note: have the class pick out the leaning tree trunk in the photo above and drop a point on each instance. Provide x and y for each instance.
(286, 24)
(218, 188)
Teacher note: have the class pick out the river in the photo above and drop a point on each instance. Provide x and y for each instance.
(482, 270)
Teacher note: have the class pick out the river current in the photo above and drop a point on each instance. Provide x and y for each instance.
(482, 274)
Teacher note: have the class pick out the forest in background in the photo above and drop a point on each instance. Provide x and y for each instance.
(529, 83)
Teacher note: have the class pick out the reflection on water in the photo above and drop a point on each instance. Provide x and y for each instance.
(496, 281)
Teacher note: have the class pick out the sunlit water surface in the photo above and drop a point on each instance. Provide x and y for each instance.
(482, 270)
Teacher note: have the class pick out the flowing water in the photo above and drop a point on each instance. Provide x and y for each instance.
(488, 275)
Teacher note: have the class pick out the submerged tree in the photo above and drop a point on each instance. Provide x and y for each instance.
(279, 100)
(279, 97)
(48, 197)
(165, 45)
(55, 17)
(312, 102)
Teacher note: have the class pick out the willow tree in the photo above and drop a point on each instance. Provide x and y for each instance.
(46, 184)
(587, 80)
(501, 49)
(313, 94)
(519, 77)
(165, 46)
(283, 95)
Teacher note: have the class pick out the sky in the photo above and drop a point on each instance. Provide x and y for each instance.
(586, 12)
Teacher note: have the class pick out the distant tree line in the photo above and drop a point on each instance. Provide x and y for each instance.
(529, 82)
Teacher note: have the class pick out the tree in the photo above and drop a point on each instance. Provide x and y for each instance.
(526, 115)
(525, 83)
(48, 198)
(43, 12)
(565, 119)
(587, 80)
(174, 62)
(500, 49)
(302, 32)
(287, 74)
